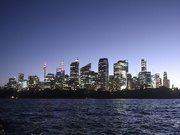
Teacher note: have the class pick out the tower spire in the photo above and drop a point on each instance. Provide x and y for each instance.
(45, 68)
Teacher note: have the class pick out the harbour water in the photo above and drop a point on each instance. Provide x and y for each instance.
(90, 116)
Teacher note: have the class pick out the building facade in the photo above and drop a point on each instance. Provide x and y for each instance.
(85, 76)
(103, 73)
(143, 65)
(20, 81)
(94, 80)
(33, 81)
(166, 81)
(120, 74)
(49, 81)
(59, 77)
(74, 74)
(158, 80)
(144, 79)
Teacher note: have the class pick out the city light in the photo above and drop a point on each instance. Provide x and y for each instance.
(85, 78)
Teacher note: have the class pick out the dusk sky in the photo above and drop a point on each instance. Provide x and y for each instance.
(33, 32)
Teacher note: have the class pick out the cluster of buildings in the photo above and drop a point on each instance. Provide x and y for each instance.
(85, 78)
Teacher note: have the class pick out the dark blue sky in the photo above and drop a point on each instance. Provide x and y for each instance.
(33, 32)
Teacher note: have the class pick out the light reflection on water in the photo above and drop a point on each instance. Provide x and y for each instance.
(90, 116)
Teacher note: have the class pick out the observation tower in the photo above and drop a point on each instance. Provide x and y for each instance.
(45, 68)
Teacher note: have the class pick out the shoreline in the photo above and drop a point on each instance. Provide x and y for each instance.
(159, 93)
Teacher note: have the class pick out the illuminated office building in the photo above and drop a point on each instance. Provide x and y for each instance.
(20, 77)
(158, 80)
(144, 77)
(110, 85)
(166, 81)
(120, 74)
(24, 85)
(49, 81)
(74, 74)
(20, 81)
(33, 81)
(129, 82)
(134, 84)
(94, 80)
(143, 65)
(12, 83)
(153, 81)
(103, 73)
(60, 74)
(85, 76)
(66, 85)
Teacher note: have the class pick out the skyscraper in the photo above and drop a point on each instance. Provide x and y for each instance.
(158, 80)
(20, 77)
(120, 74)
(86, 76)
(33, 81)
(94, 80)
(143, 65)
(20, 81)
(74, 74)
(60, 74)
(145, 79)
(12, 83)
(103, 73)
(49, 81)
(166, 81)
(144, 76)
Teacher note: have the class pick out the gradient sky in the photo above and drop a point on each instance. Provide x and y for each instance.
(33, 32)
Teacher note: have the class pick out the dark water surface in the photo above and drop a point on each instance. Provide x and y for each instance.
(90, 116)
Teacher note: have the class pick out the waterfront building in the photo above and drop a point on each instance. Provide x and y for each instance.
(110, 85)
(33, 81)
(66, 83)
(85, 76)
(74, 74)
(49, 81)
(24, 85)
(134, 84)
(144, 79)
(20, 77)
(129, 81)
(158, 80)
(103, 73)
(120, 74)
(94, 80)
(60, 74)
(20, 81)
(143, 65)
(153, 81)
(12, 83)
(166, 81)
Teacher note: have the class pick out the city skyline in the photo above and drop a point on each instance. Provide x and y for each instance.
(37, 32)
(120, 70)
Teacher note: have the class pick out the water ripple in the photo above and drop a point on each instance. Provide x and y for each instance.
(90, 116)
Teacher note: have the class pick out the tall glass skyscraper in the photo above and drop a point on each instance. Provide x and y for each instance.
(166, 82)
(120, 74)
(143, 65)
(103, 73)
(20, 77)
(144, 76)
(86, 76)
(74, 74)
